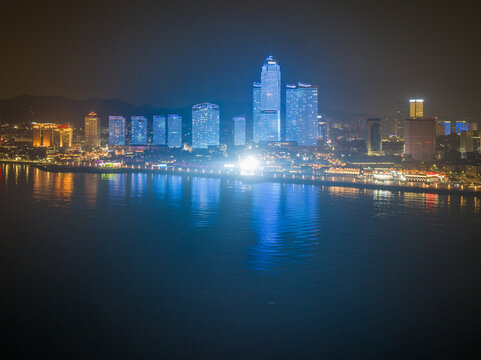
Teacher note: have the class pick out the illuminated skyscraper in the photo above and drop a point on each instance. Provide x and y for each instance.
(373, 136)
(92, 130)
(301, 114)
(116, 130)
(462, 126)
(159, 130)
(239, 130)
(205, 125)
(174, 136)
(138, 130)
(267, 124)
(63, 136)
(321, 128)
(256, 106)
(416, 108)
(43, 134)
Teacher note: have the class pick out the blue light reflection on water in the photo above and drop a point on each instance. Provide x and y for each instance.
(266, 269)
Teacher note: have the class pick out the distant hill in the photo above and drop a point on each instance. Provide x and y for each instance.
(58, 109)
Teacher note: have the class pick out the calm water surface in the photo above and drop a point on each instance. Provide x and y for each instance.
(155, 266)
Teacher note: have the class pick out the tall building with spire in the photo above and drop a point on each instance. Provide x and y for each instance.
(267, 102)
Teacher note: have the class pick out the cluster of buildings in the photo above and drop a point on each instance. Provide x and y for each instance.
(416, 137)
(301, 110)
(49, 135)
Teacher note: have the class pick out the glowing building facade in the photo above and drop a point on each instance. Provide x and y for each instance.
(205, 125)
(116, 130)
(138, 130)
(43, 134)
(267, 102)
(416, 108)
(158, 130)
(301, 114)
(462, 126)
(239, 130)
(92, 130)
(63, 135)
(174, 136)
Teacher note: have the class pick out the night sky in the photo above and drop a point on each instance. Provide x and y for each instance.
(365, 56)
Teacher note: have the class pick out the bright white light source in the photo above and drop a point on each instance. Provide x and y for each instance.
(249, 165)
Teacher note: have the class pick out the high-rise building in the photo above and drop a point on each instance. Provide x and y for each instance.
(256, 106)
(63, 135)
(416, 108)
(462, 126)
(239, 130)
(374, 136)
(205, 125)
(301, 114)
(43, 134)
(116, 130)
(400, 116)
(174, 136)
(159, 130)
(92, 129)
(138, 130)
(466, 144)
(321, 128)
(420, 139)
(267, 104)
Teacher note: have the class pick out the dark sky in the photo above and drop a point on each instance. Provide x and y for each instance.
(364, 55)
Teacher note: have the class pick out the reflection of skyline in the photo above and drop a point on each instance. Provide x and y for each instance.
(204, 200)
(286, 221)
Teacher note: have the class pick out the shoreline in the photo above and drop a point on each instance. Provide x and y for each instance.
(248, 178)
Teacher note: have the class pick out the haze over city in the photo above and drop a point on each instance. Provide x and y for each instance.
(240, 180)
(364, 56)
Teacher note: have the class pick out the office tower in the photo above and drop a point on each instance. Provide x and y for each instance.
(63, 136)
(239, 130)
(116, 130)
(205, 125)
(256, 116)
(92, 130)
(174, 136)
(374, 136)
(267, 124)
(138, 130)
(466, 144)
(43, 134)
(420, 139)
(416, 108)
(462, 126)
(301, 114)
(321, 128)
(446, 127)
(159, 130)
(400, 116)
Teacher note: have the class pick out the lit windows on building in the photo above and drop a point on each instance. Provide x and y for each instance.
(158, 130)
(116, 130)
(92, 129)
(301, 114)
(138, 130)
(416, 108)
(205, 125)
(239, 130)
(174, 136)
(267, 103)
